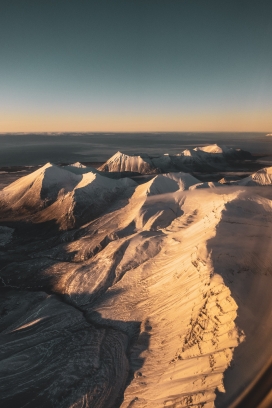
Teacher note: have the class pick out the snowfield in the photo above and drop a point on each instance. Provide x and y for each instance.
(118, 294)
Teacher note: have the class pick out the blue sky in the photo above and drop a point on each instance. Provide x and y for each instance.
(135, 65)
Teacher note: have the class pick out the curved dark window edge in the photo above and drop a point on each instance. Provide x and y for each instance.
(257, 391)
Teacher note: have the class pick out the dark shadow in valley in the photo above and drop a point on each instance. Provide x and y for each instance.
(64, 356)
(244, 262)
(58, 370)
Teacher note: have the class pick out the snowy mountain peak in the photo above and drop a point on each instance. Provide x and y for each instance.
(204, 158)
(40, 188)
(186, 152)
(262, 177)
(55, 193)
(160, 184)
(78, 165)
(122, 162)
(212, 149)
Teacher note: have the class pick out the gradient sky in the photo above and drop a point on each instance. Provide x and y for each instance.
(135, 65)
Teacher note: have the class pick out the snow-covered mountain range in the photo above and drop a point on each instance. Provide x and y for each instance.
(57, 194)
(200, 158)
(148, 294)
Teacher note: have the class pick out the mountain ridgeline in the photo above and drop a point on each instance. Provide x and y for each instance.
(207, 158)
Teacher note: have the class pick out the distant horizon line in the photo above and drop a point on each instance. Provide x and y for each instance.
(109, 132)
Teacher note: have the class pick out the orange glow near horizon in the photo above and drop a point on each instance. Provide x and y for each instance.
(217, 122)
